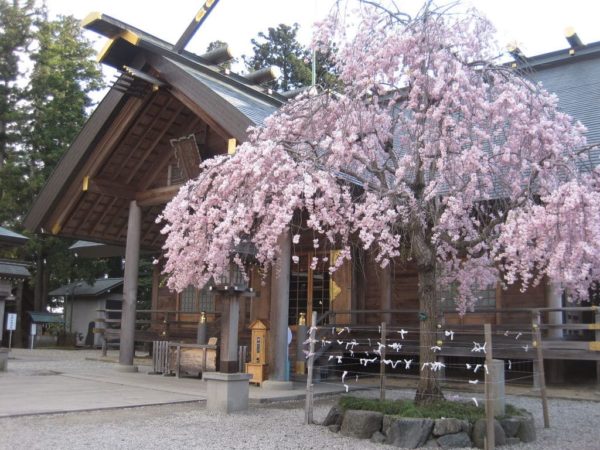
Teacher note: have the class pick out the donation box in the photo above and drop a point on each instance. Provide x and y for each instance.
(257, 367)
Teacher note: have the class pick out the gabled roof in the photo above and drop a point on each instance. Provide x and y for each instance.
(256, 109)
(10, 238)
(577, 85)
(14, 270)
(84, 289)
(45, 317)
(126, 41)
(123, 151)
(574, 76)
(86, 249)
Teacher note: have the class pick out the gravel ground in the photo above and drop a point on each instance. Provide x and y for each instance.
(575, 424)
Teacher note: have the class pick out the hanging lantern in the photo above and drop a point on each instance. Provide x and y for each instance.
(232, 281)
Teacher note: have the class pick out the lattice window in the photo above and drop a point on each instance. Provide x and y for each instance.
(189, 299)
(197, 300)
(486, 298)
(207, 300)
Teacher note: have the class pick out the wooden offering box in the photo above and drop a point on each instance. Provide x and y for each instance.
(257, 367)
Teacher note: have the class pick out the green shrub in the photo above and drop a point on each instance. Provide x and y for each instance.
(407, 408)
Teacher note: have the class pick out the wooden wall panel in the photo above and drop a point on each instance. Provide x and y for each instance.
(342, 280)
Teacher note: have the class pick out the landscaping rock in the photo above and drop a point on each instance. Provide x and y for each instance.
(450, 426)
(335, 428)
(361, 424)
(457, 440)
(526, 431)
(334, 416)
(407, 433)
(479, 433)
(431, 443)
(510, 425)
(513, 441)
(378, 437)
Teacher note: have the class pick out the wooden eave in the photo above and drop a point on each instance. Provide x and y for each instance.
(125, 41)
(223, 116)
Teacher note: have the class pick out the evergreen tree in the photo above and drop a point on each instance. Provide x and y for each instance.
(15, 36)
(63, 76)
(41, 111)
(280, 47)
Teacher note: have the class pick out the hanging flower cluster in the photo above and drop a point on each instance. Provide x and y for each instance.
(431, 153)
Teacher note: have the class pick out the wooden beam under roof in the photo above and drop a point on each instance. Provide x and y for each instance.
(155, 142)
(111, 188)
(157, 196)
(122, 123)
(140, 140)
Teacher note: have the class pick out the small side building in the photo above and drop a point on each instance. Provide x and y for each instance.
(13, 274)
(82, 302)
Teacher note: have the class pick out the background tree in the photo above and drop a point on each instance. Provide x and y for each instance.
(46, 77)
(15, 36)
(434, 158)
(280, 47)
(58, 99)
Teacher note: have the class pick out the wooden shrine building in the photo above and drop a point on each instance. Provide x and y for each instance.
(169, 110)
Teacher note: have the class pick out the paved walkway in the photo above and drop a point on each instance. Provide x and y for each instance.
(56, 381)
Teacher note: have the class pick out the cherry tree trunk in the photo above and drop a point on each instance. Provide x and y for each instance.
(428, 389)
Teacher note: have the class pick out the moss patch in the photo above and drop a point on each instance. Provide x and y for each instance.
(437, 410)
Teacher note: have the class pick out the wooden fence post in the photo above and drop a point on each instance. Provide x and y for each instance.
(537, 343)
(308, 409)
(490, 438)
(382, 363)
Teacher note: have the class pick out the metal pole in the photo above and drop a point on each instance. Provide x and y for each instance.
(308, 410)
(9, 340)
(490, 438)
(381, 363)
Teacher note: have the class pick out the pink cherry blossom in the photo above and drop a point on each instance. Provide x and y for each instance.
(431, 154)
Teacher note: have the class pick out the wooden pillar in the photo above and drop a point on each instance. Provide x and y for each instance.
(280, 303)
(554, 300)
(130, 285)
(386, 293)
(229, 334)
(155, 291)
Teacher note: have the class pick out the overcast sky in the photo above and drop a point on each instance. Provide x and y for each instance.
(537, 25)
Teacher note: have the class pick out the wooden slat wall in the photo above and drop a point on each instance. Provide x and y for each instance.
(372, 291)
(512, 297)
(404, 295)
(261, 304)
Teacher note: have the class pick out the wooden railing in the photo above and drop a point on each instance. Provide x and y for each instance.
(583, 345)
(156, 324)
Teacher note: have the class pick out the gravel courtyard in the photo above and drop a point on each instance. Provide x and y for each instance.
(576, 425)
